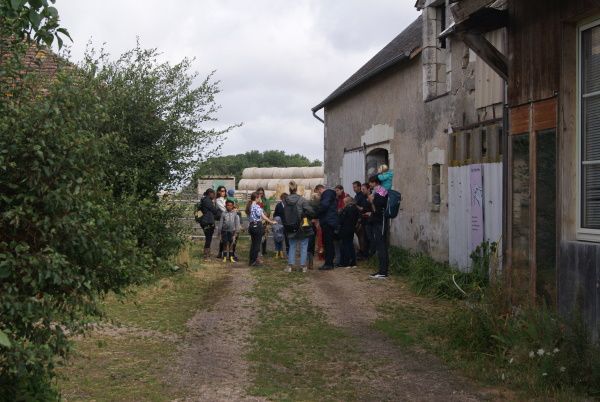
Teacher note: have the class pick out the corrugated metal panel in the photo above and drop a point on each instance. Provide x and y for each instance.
(492, 193)
(353, 168)
(459, 215)
(489, 86)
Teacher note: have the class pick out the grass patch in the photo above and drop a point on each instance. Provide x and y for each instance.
(426, 276)
(169, 303)
(115, 365)
(531, 351)
(123, 368)
(296, 354)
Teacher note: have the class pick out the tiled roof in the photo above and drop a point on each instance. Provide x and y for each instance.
(398, 50)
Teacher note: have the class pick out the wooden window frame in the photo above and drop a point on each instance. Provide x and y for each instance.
(584, 234)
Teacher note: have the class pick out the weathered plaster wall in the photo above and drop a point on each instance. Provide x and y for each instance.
(390, 108)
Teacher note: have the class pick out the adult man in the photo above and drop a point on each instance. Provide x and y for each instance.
(362, 204)
(328, 220)
(378, 200)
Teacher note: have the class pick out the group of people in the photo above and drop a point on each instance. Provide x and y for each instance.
(329, 221)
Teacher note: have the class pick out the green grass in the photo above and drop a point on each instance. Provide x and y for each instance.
(124, 368)
(130, 365)
(295, 354)
(168, 304)
(494, 348)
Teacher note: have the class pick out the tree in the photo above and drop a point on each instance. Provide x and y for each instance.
(82, 156)
(233, 165)
(32, 20)
(159, 115)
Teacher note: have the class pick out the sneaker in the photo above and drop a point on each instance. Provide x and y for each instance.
(325, 268)
(231, 259)
(379, 276)
(374, 274)
(224, 259)
(353, 266)
(288, 269)
(304, 269)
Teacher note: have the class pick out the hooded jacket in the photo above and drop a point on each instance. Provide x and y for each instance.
(328, 208)
(305, 210)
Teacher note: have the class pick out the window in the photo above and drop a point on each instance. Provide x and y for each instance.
(441, 15)
(436, 195)
(589, 129)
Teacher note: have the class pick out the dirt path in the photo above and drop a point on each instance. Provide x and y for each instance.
(349, 299)
(212, 365)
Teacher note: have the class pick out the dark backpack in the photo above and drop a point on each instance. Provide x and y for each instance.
(291, 219)
(393, 204)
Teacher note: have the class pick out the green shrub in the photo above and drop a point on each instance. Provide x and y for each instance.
(429, 277)
(79, 215)
(531, 347)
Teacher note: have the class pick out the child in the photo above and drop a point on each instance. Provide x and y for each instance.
(385, 176)
(229, 226)
(278, 237)
(348, 219)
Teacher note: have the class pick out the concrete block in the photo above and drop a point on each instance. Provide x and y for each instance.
(429, 72)
(429, 89)
(429, 55)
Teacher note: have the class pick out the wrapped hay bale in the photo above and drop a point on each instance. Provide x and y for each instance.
(250, 173)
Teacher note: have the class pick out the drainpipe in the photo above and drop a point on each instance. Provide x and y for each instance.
(317, 117)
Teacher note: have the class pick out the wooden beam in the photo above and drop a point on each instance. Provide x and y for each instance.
(463, 9)
(488, 53)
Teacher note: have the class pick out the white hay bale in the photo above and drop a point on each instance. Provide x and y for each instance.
(314, 182)
(272, 184)
(250, 173)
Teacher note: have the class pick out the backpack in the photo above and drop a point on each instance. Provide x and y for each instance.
(291, 220)
(393, 204)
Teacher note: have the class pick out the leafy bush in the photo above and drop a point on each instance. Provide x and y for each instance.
(79, 215)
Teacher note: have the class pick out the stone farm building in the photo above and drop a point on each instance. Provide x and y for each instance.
(488, 111)
(432, 111)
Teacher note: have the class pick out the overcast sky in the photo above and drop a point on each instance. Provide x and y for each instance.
(276, 59)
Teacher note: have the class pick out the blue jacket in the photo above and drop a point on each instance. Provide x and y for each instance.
(328, 208)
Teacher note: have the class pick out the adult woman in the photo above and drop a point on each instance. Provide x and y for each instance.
(298, 232)
(263, 202)
(207, 222)
(220, 203)
(255, 227)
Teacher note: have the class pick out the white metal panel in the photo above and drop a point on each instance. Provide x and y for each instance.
(492, 186)
(459, 213)
(353, 168)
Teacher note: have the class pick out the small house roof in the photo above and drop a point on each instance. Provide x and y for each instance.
(398, 50)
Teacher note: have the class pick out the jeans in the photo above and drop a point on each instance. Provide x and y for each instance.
(303, 251)
(256, 234)
(348, 254)
(380, 234)
(208, 235)
(328, 245)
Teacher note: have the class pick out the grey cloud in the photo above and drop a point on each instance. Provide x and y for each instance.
(275, 59)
